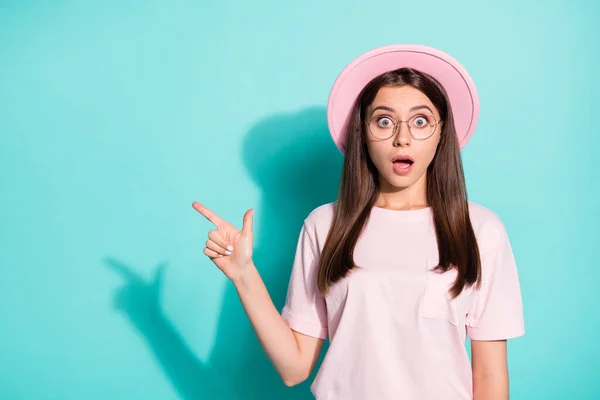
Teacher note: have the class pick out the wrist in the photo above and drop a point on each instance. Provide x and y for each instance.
(245, 275)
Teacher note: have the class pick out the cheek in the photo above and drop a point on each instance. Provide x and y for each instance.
(430, 148)
(425, 154)
(430, 153)
(377, 154)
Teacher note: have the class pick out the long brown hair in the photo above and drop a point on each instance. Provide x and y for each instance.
(446, 191)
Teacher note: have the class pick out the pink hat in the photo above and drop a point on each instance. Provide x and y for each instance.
(446, 70)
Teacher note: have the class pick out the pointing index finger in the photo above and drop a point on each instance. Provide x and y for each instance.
(208, 214)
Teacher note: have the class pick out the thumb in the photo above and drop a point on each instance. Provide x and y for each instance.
(248, 219)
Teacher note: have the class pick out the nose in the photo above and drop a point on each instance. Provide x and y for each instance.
(402, 137)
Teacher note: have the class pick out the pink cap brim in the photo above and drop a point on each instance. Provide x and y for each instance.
(450, 73)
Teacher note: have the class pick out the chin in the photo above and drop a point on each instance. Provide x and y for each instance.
(402, 181)
(399, 182)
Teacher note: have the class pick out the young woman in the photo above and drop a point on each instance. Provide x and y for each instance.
(402, 267)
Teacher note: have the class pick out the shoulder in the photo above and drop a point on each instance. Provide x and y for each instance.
(323, 213)
(318, 223)
(484, 219)
(320, 218)
(489, 229)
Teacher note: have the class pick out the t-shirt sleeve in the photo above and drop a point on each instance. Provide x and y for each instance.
(497, 311)
(305, 310)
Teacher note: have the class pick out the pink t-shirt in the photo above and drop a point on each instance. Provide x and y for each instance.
(394, 331)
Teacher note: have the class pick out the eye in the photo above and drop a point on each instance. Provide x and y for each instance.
(420, 121)
(384, 122)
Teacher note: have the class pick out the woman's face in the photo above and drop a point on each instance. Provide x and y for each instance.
(397, 102)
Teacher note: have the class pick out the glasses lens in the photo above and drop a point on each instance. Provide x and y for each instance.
(382, 126)
(422, 126)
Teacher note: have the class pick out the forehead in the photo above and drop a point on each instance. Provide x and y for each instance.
(400, 98)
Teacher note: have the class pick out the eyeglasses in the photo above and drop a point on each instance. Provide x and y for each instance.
(420, 126)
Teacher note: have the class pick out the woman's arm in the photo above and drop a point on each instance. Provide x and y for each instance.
(490, 370)
(293, 354)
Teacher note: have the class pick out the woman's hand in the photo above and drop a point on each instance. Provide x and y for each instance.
(229, 248)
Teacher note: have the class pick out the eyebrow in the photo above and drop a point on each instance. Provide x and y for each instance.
(392, 110)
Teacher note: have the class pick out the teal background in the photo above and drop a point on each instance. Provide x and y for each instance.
(116, 115)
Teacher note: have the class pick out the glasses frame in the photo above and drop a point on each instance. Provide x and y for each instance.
(397, 124)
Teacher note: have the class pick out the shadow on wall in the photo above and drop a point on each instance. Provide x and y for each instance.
(294, 162)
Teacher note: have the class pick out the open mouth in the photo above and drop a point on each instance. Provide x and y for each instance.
(403, 161)
(402, 164)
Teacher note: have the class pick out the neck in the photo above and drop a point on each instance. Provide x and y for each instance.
(411, 197)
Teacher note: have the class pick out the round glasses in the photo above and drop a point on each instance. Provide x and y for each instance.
(420, 126)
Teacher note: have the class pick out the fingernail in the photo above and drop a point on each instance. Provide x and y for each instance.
(230, 248)
(228, 252)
